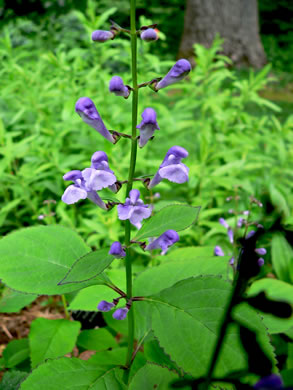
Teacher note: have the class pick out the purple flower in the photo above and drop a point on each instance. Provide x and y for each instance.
(99, 161)
(218, 251)
(102, 35)
(105, 306)
(246, 212)
(224, 223)
(232, 261)
(272, 381)
(175, 74)
(260, 262)
(250, 234)
(149, 35)
(90, 180)
(164, 241)
(120, 314)
(230, 235)
(116, 250)
(134, 209)
(147, 126)
(172, 168)
(86, 109)
(260, 251)
(117, 86)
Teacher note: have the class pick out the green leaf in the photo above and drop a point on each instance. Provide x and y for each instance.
(185, 320)
(35, 259)
(87, 267)
(177, 217)
(151, 376)
(282, 256)
(116, 356)
(275, 290)
(189, 252)
(279, 201)
(96, 340)
(16, 352)
(154, 353)
(12, 301)
(50, 339)
(12, 379)
(73, 373)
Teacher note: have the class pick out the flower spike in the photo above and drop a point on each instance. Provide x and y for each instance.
(147, 126)
(175, 74)
(172, 168)
(86, 109)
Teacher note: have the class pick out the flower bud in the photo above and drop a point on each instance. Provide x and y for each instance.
(147, 126)
(102, 36)
(149, 35)
(116, 250)
(230, 235)
(117, 86)
(175, 74)
(218, 251)
(105, 306)
(260, 261)
(120, 314)
(232, 261)
(250, 234)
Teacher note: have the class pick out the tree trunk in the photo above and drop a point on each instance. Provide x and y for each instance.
(235, 20)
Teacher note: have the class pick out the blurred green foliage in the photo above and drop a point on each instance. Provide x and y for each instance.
(235, 137)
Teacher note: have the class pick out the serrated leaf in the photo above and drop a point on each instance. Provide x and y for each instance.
(35, 259)
(177, 217)
(185, 320)
(71, 373)
(282, 257)
(152, 376)
(87, 267)
(50, 339)
(13, 301)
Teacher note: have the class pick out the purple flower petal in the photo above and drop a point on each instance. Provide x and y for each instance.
(272, 381)
(105, 306)
(230, 235)
(117, 250)
(138, 213)
(149, 35)
(72, 175)
(120, 314)
(218, 251)
(96, 179)
(73, 194)
(117, 87)
(176, 73)
(250, 234)
(164, 241)
(124, 211)
(134, 196)
(102, 35)
(224, 223)
(176, 173)
(86, 109)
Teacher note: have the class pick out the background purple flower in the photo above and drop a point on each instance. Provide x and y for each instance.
(172, 168)
(175, 74)
(272, 381)
(147, 126)
(80, 190)
(117, 87)
(164, 241)
(102, 35)
(223, 223)
(120, 314)
(149, 35)
(134, 209)
(261, 251)
(116, 250)
(86, 109)
(218, 251)
(230, 235)
(260, 262)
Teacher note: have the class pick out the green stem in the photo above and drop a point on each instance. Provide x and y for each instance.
(67, 315)
(128, 258)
